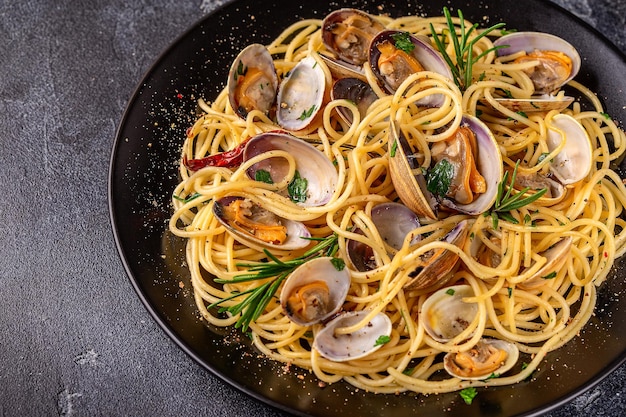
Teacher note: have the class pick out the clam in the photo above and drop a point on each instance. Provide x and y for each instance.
(348, 33)
(445, 315)
(394, 55)
(301, 95)
(574, 161)
(312, 165)
(487, 358)
(259, 228)
(536, 181)
(555, 256)
(340, 347)
(355, 90)
(252, 81)
(465, 177)
(315, 291)
(558, 63)
(394, 222)
(408, 177)
(432, 270)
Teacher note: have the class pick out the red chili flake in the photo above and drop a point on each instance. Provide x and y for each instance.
(227, 159)
(606, 254)
(179, 95)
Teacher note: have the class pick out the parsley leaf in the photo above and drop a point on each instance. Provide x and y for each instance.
(338, 263)
(403, 42)
(307, 113)
(382, 339)
(440, 178)
(468, 394)
(263, 176)
(297, 188)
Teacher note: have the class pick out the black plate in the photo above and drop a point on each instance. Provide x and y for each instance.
(143, 174)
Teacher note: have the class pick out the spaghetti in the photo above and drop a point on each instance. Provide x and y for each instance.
(536, 315)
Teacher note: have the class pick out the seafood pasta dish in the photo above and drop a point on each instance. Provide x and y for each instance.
(405, 204)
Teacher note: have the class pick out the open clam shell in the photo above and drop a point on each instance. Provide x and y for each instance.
(312, 165)
(300, 95)
(408, 177)
(392, 63)
(348, 33)
(556, 256)
(542, 103)
(252, 81)
(553, 72)
(394, 222)
(314, 291)
(487, 358)
(345, 347)
(258, 227)
(574, 161)
(355, 90)
(433, 271)
(488, 163)
(445, 315)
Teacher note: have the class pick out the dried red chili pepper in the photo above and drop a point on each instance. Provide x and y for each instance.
(227, 159)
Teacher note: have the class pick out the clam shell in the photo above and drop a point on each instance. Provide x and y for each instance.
(479, 355)
(445, 315)
(574, 161)
(428, 57)
(355, 90)
(543, 103)
(340, 347)
(301, 94)
(297, 232)
(394, 222)
(531, 41)
(361, 28)
(312, 164)
(489, 164)
(407, 177)
(254, 59)
(316, 270)
(556, 256)
(434, 272)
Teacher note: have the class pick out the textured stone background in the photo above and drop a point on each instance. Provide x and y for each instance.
(75, 340)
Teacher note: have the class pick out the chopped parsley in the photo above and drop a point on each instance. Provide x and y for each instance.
(382, 339)
(338, 263)
(263, 176)
(241, 70)
(394, 148)
(450, 291)
(551, 275)
(403, 42)
(468, 394)
(297, 188)
(307, 113)
(440, 178)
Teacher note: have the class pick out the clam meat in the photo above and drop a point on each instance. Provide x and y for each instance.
(315, 291)
(339, 347)
(258, 227)
(348, 33)
(487, 358)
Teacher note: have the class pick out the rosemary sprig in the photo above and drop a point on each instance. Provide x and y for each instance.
(253, 305)
(506, 201)
(463, 48)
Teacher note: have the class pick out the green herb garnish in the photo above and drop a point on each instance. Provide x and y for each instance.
(256, 299)
(463, 49)
(394, 148)
(241, 70)
(551, 275)
(468, 394)
(307, 113)
(297, 188)
(262, 175)
(188, 198)
(338, 263)
(506, 201)
(402, 41)
(382, 340)
(440, 177)
(450, 291)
